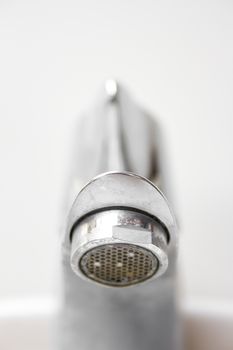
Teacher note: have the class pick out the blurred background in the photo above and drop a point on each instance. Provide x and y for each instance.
(175, 57)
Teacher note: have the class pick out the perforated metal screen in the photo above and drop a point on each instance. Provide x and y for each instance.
(119, 264)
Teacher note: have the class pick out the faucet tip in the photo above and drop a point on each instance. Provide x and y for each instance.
(111, 88)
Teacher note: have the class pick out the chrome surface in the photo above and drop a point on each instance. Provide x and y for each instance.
(116, 212)
(117, 189)
(115, 233)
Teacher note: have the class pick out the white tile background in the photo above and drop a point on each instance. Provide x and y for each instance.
(176, 57)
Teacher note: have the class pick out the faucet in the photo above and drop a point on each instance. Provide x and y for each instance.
(120, 243)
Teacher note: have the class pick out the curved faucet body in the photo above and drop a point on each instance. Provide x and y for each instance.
(120, 232)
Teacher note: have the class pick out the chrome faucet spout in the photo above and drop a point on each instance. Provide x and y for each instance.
(121, 232)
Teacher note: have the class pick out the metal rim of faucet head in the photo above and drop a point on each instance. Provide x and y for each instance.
(119, 247)
(96, 230)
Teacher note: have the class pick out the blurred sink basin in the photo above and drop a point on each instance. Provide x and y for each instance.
(29, 325)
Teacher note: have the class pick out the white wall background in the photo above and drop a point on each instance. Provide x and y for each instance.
(176, 57)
